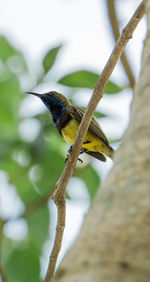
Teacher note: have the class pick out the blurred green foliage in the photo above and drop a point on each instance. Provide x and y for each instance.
(87, 79)
(50, 58)
(33, 167)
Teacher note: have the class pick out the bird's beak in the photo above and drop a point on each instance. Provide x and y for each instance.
(33, 93)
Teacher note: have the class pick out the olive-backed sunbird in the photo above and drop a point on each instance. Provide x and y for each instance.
(67, 118)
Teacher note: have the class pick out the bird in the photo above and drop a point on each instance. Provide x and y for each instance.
(67, 117)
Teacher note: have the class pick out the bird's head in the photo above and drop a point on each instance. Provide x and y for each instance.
(52, 99)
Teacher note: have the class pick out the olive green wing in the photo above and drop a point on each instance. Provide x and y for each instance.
(94, 127)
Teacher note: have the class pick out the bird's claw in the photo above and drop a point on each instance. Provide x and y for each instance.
(69, 152)
(80, 160)
(68, 157)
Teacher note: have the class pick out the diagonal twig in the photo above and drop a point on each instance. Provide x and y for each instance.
(59, 193)
(115, 28)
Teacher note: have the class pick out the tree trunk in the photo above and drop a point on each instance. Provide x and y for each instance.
(114, 244)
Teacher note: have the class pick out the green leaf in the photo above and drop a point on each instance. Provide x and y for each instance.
(17, 64)
(112, 88)
(87, 79)
(83, 78)
(50, 58)
(100, 115)
(10, 96)
(38, 223)
(6, 50)
(19, 177)
(22, 262)
(7, 147)
(97, 114)
(52, 164)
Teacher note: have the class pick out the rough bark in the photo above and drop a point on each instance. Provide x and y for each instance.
(114, 244)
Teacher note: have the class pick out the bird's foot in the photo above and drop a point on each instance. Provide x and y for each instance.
(83, 151)
(68, 157)
(80, 160)
(69, 152)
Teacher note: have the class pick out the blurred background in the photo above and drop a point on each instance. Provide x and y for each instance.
(54, 45)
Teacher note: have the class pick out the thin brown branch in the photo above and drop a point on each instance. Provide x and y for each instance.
(115, 28)
(61, 206)
(59, 193)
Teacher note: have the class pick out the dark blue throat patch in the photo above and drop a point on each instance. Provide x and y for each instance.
(56, 107)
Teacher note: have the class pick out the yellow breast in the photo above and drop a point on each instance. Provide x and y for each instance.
(69, 131)
(95, 144)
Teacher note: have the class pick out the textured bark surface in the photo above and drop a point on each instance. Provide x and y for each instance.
(114, 244)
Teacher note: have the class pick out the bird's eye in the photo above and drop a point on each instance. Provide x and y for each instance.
(53, 93)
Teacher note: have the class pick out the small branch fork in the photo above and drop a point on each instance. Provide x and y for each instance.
(59, 193)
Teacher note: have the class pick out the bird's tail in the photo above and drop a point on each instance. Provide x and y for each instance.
(100, 156)
(97, 155)
(110, 152)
